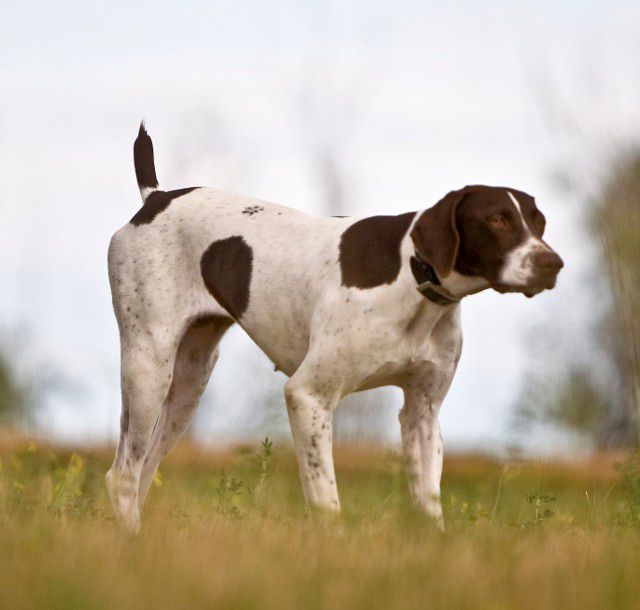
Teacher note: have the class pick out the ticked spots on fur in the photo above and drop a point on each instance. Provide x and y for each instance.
(250, 210)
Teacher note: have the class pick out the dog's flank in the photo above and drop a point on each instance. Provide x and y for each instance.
(144, 164)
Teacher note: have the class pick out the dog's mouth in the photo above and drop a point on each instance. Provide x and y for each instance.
(530, 290)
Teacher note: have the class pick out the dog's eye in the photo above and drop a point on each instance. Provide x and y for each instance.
(498, 221)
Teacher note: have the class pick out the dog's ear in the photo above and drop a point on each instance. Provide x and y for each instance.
(435, 235)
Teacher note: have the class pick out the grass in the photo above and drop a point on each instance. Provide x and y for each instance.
(230, 530)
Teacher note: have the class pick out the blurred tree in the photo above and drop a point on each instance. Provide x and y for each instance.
(615, 221)
(597, 394)
(13, 396)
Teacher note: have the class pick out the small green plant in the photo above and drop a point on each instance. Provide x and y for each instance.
(227, 492)
(264, 458)
(467, 511)
(541, 507)
(629, 471)
(23, 468)
(67, 484)
(230, 490)
(44, 481)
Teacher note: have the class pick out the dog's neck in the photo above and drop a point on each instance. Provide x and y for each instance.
(462, 285)
(444, 291)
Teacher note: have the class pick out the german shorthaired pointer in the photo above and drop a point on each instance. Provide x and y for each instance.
(338, 304)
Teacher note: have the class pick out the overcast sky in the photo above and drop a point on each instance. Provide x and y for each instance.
(419, 98)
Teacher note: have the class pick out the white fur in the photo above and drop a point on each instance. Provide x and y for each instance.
(330, 340)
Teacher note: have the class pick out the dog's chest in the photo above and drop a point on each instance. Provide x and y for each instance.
(402, 346)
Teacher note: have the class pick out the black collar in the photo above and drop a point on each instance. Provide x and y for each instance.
(429, 285)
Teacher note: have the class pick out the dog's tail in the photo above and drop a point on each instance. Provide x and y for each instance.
(143, 161)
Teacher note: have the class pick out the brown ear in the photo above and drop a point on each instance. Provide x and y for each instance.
(435, 235)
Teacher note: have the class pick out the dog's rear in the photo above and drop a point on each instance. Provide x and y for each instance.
(167, 353)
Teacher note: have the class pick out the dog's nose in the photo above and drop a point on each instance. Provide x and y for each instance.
(548, 261)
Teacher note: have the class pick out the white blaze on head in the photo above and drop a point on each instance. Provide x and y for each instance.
(518, 265)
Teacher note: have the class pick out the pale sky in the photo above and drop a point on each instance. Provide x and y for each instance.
(419, 98)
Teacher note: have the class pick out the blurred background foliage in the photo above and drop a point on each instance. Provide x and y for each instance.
(591, 395)
(336, 109)
(13, 397)
(595, 395)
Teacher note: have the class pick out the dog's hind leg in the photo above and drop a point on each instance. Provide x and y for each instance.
(196, 356)
(147, 367)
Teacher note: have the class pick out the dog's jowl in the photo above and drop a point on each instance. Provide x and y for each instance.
(338, 304)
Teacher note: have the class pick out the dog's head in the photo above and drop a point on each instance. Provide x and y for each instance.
(490, 232)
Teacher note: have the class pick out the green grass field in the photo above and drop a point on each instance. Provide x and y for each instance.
(230, 530)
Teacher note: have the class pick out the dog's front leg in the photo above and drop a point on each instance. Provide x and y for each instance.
(422, 440)
(310, 416)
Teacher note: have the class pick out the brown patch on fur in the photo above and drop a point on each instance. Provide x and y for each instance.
(157, 202)
(370, 250)
(226, 268)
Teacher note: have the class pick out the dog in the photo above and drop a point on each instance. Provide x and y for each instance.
(338, 304)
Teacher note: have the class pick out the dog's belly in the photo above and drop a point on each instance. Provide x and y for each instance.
(285, 298)
(278, 319)
(285, 351)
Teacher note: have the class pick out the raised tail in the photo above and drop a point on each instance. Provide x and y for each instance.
(143, 161)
